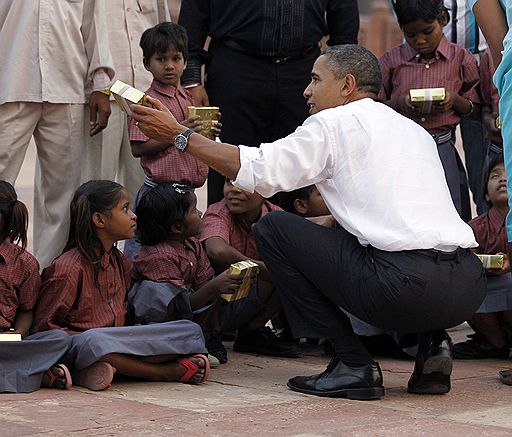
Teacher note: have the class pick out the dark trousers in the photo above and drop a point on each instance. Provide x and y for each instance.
(317, 270)
(261, 100)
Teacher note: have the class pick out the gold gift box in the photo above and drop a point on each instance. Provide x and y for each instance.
(245, 268)
(10, 337)
(208, 114)
(491, 261)
(125, 94)
(423, 98)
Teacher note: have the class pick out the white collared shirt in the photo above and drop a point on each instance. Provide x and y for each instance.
(378, 172)
(53, 51)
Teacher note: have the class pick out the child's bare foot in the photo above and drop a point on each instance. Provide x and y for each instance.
(191, 370)
(57, 376)
(96, 377)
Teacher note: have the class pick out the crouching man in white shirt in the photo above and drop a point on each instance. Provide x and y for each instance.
(401, 260)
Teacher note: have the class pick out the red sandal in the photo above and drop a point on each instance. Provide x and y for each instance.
(53, 377)
(193, 368)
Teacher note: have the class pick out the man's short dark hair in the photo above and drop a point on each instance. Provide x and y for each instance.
(358, 61)
(159, 38)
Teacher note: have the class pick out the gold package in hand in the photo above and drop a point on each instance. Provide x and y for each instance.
(209, 115)
(492, 261)
(245, 268)
(10, 337)
(125, 94)
(422, 98)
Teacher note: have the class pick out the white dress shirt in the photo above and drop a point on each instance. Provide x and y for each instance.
(53, 51)
(378, 172)
(128, 19)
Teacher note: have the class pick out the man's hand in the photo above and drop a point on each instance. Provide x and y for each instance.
(200, 96)
(99, 107)
(157, 123)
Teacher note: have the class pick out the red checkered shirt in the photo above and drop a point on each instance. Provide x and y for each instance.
(19, 282)
(219, 222)
(453, 68)
(184, 264)
(71, 297)
(170, 165)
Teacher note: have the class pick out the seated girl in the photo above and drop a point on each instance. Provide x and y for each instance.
(31, 363)
(84, 294)
(492, 322)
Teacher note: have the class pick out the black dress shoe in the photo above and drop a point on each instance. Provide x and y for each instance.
(342, 381)
(433, 365)
(478, 349)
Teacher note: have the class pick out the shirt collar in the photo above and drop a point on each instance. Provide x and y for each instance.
(441, 51)
(8, 251)
(496, 219)
(106, 260)
(168, 90)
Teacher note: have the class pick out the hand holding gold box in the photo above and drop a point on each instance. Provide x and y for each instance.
(208, 115)
(492, 261)
(249, 270)
(125, 94)
(423, 98)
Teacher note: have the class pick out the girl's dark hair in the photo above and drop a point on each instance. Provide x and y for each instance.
(159, 38)
(159, 209)
(14, 214)
(286, 200)
(93, 196)
(497, 160)
(408, 11)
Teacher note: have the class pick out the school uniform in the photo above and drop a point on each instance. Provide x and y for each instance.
(490, 99)
(80, 296)
(23, 363)
(182, 267)
(169, 165)
(452, 67)
(491, 235)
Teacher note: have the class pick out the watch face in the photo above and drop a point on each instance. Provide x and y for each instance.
(181, 142)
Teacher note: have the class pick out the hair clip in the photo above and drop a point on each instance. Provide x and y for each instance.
(181, 189)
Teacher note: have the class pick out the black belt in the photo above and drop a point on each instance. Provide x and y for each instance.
(272, 59)
(439, 255)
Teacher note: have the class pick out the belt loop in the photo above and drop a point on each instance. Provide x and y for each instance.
(438, 257)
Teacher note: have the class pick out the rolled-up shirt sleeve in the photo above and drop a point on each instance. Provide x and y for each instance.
(303, 158)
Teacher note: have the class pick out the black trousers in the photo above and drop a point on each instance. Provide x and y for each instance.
(317, 270)
(261, 100)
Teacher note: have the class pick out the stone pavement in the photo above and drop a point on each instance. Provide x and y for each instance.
(248, 396)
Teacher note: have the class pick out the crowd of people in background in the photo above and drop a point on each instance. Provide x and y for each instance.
(87, 311)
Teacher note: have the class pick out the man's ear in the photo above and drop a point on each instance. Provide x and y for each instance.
(348, 85)
(99, 220)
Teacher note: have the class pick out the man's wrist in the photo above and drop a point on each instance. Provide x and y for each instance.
(192, 85)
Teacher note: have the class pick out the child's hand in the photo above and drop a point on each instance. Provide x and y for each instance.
(489, 121)
(405, 105)
(506, 262)
(227, 284)
(446, 104)
(193, 123)
(216, 128)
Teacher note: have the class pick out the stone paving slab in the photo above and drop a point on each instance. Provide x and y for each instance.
(248, 396)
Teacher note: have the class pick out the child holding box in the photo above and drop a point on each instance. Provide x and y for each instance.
(429, 60)
(173, 274)
(492, 322)
(227, 237)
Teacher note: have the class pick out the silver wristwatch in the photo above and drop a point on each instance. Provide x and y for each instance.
(181, 141)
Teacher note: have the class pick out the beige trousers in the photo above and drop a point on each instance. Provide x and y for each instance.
(58, 134)
(108, 154)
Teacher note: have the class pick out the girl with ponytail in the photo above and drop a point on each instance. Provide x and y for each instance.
(84, 294)
(27, 362)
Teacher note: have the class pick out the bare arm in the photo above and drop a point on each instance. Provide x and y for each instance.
(493, 22)
(23, 322)
(159, 124)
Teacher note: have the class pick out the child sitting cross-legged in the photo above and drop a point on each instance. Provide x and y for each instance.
(84, 292)
(173, 277)
(492, 322)
(227, 238)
